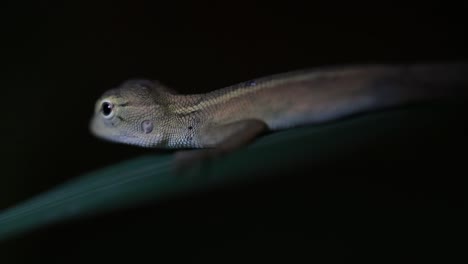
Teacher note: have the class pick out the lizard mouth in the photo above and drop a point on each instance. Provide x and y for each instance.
(120, 138)
(99, 130)
(125, 137)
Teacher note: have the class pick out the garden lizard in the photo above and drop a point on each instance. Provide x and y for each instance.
(146, 113)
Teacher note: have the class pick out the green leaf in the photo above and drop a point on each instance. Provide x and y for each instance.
(150, 178)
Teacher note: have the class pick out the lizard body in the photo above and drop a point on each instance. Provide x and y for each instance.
(148, 114)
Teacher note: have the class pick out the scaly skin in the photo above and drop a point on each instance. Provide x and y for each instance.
(148, 114)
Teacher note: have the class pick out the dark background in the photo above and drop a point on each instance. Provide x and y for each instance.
(58, 58)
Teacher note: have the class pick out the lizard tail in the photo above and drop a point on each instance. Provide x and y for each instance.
(392, 86)
(424, 82)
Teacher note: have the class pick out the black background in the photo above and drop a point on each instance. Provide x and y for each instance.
(58, 58)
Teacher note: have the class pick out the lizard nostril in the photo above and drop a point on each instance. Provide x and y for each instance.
(147, 126)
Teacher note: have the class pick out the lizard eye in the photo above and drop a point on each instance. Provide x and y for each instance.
(107, 109)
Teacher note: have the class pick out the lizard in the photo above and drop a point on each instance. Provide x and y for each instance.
(146, 113)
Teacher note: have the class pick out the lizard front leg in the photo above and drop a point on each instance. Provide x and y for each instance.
(223, 139)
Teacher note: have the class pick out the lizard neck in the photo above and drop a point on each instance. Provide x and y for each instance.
(180, 128)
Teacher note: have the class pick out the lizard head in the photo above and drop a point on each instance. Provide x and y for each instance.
(131, 113)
